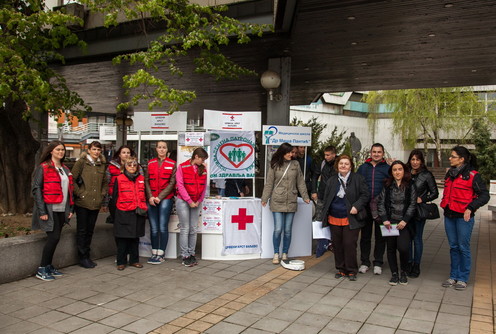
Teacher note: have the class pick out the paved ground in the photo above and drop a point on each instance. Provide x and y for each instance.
(255, 296)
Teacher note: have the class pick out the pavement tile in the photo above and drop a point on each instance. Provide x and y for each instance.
(259, 308)
(271, 325)
(94, 328)
(425, 305)
(97, 313)
(76, 308)
(313, 320)
(142, 310)
(164, 315)
(325, 310)
(29, 312)
(212, 318)
(121, 304)
(184, 306)
(420, 314)
(374, 329)
(343, 325)
(456, 309)
(69, 325)
(440, 328)
(225, 327)
(49, 317)
(224, 311)
(396, 301)
(118, 320)
(300, 328)
(382, 319)
(354, 314)
(142, 326)
(334, 300)
(416, 325)
(391, 309)
(6, 320)
(453, 319)
(243, 318)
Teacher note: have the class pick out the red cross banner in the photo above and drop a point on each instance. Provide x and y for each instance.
(242, 227)
(232, 155)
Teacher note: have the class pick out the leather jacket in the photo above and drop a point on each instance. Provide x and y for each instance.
(395, 204)
(426, 185)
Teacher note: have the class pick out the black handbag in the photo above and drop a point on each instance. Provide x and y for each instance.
(427, 211)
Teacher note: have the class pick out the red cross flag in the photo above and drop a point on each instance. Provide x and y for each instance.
(242, 227)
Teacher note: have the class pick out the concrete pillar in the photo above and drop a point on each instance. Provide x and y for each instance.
(278, 109)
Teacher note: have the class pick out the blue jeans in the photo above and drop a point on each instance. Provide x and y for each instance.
(459, 232)
(417, 244)
(188, 226)
(158, 216)
(283, 222)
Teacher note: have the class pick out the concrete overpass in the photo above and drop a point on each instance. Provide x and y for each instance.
(319, 46)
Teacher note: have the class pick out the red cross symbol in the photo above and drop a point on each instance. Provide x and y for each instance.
(218, 223)
(205, 224)
(200, 140)
(204, 208)
(242, 219)
(232, 118)
(219, 208)
(187, 139)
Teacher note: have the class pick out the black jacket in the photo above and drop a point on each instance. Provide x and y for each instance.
(395, 204)
(357, 195)
(325, 170)
(426, 186)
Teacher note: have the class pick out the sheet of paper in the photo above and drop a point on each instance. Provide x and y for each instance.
(391, 232)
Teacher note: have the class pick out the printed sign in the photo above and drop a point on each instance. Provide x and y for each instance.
(160, 121)
(242, 227)
(233, 155)
(294, 135)
(212, 215)
(232, 120)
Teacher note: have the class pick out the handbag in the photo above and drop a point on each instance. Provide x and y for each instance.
(427, 211)
(362, 214)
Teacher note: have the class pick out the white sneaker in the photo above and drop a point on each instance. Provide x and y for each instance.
(284, 257)
(275, 259)
(377, 270)
(363, 269)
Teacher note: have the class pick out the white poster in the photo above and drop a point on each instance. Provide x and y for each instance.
(242, 227)
(232, 154)
(212, 216)
(294, 135)
(232, 120)
(160, 121)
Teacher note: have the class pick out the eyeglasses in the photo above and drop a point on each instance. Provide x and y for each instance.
(132, 164)
(453, 157)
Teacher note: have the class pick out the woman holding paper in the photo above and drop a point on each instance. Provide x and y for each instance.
(284, 181)
(396, 208)
(345, 199)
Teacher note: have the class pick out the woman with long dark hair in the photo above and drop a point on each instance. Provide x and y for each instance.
(160, 185)
(129, 202)
(191, 184)
(396, 208)
(426, 188)
(346, 194)
(284, 181)
(464, 193)
(53, 195)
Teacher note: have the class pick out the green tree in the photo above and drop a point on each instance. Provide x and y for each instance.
(32, 36)
(485, 150)
(429, 115)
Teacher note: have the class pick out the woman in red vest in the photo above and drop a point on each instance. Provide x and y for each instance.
(114, 168)
(53, 195)
(160, 182)
(464, 193)
(191, 183)
(129, 202)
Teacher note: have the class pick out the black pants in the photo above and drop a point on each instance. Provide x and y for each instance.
(366, 244)
(344, 241)
(125, 247)
(401, 244)
(53, 238)
(86, 220)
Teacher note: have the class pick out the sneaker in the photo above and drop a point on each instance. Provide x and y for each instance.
(153, 260)
(54, 272)
(363, 269)
(187, 261)
(394, 279)
(44, 274)
(284, 256)
(448, 283)
(194, 261)
(352, 277)
(403, 279)
(377, 270)
(275, 259)
(85, 263)
(339, 274)
(460, 285)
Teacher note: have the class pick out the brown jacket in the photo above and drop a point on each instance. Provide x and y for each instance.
(90, 182)
(283, 195)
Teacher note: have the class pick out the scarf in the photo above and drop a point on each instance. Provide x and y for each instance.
(130, 176)
(342, 184)
(455, 171)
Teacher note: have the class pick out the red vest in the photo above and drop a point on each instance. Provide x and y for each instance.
(193, 183)
(159, 178)
(458, 193)
(131, 194)
(52, 188)
(114, 172)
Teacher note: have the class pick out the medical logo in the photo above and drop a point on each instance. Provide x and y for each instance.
(233, 155)
(236, 155)
(269, 133)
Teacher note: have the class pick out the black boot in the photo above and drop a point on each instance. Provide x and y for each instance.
(415, 271)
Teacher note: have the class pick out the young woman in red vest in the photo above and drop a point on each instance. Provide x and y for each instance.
(160, 182)
(53, 195)
(191, 183)
(464, 193)
(129, 201)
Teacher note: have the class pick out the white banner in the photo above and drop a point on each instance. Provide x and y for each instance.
(232, 155)
(232, 120)
(242, 227)
(160, 121)
(212, 216)
(294, 135)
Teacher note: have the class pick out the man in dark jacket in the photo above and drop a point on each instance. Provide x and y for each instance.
(325, 170)
(374, 170)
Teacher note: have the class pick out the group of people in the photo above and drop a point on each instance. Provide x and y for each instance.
(377, 196)
(354, 204)
(129, 194)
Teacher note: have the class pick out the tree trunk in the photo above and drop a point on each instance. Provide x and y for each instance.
(17, 159)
